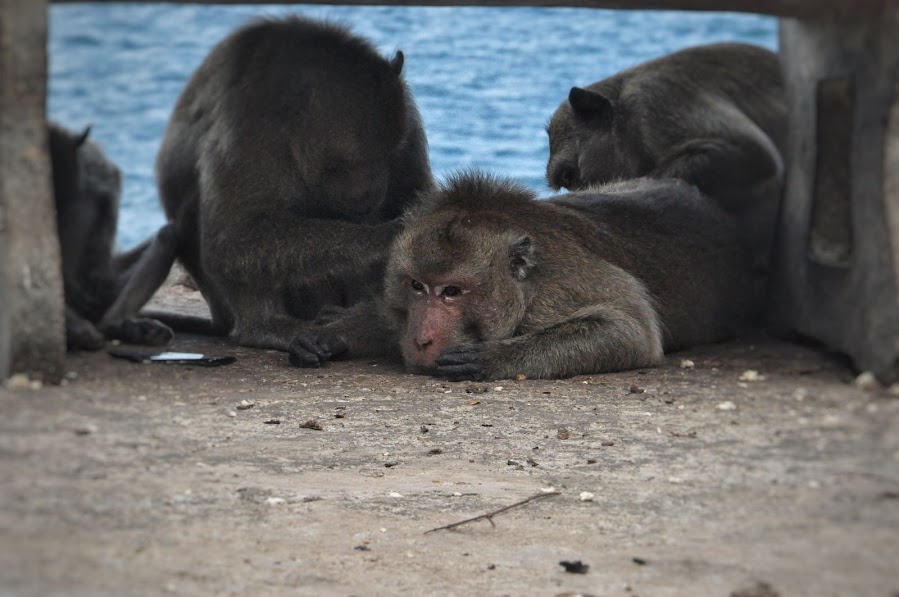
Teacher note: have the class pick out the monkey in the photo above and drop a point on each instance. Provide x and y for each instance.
(288, 160)
(714, 116)
(487, 282)
(103, 290)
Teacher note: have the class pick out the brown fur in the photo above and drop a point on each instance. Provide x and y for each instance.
(288, 159)
(103, 290)
(714, 116)
(582, 283)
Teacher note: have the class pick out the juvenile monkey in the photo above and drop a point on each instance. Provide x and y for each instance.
(103, 290)
(486, 282)
(288, 159)
(714, 116)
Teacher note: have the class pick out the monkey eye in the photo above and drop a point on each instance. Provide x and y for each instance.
(418, 286)
(450, 291)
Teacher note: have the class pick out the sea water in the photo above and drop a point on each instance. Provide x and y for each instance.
(486, 80)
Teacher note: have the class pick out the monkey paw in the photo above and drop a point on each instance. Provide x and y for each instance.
(314, 348)
(329, 314)
(84, 337)
(140, 330)
(466, 362)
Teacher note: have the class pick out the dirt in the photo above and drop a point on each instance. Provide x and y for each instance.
(142, 479)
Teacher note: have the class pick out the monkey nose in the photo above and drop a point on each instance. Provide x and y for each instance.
(423, 343)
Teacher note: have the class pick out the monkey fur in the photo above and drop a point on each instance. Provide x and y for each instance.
(486, 282)
(288, 159)
(103, 290)
(714, 116)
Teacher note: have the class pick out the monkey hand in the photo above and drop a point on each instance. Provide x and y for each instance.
(315, 347)
(139, 330)
(465, 362)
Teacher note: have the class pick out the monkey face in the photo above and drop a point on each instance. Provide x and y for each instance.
(588, 143)
(355, 190)
(452, 281)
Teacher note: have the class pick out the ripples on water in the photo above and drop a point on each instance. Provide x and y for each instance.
(485, 79)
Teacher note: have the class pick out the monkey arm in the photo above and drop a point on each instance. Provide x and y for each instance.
(287, 247)
(359, 332)
(723, 167)
(596, 339)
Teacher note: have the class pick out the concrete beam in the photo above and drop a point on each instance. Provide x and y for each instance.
(32, 329)
(838, 9)
(837, 275)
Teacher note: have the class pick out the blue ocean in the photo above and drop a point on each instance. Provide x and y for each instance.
(486, 80)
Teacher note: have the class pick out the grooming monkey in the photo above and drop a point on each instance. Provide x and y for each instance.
(103, 290)
(714, 116)
(288, 159)
(486, 282)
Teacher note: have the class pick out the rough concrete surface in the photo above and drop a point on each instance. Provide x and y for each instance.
(145, 479)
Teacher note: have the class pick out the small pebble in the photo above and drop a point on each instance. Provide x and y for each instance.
(553, 489)
(19, 381)
(831, 421)
(311, 424)
(394, 494)
(87, 429)
(800, 394)
(586, 496)
(867, 382)
(498, 389)
(275, 501)
(687, 364)
(894, 390)
(726, 405)
(520, 377)
(751, 375)
(635, 389)
(563, 433)
(232, 413)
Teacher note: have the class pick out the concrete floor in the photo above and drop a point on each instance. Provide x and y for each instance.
(139, 479)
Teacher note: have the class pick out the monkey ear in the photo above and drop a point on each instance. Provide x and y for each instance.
(396, 64)
(590, 105)
(521, 257)
(79, 141)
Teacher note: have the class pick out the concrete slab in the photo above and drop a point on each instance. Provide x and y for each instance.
(138, 479)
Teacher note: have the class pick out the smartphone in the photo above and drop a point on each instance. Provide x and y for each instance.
(174, 358)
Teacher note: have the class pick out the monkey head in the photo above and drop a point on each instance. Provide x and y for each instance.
(357, 119)
(589, 143)
(457, 276)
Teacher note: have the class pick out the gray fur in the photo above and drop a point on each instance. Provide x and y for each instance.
(288, 159)
(614, 276)
(714, 116)
(103, 291)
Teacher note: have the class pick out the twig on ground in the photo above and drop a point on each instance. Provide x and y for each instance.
(489, 516)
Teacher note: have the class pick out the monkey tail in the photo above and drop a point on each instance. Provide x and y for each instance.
(187, 324)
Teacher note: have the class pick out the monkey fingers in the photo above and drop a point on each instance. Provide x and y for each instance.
(314, 348)
(139, 330)
(466, 362)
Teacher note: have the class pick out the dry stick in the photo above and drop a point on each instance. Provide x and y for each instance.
(489, 516)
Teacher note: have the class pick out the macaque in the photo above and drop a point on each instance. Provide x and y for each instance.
(487, 282)
(288, 159)
(714, 116)
(103, 290)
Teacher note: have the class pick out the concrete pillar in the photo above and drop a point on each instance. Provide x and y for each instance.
(32, 329)
(837, 270)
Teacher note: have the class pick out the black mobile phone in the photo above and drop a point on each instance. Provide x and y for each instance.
(174, 358)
